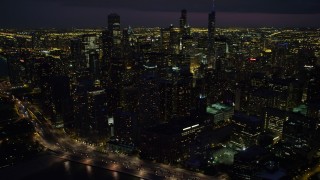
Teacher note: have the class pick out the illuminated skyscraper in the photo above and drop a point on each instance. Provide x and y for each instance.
(273, 120)
(211, 36)
(165, 40)
(90, 43)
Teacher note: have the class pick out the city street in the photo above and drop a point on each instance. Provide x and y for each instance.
(62, 146)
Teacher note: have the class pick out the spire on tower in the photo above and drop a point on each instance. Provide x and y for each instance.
(213, 6)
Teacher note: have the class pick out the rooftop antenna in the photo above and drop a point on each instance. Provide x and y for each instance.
(213, 6)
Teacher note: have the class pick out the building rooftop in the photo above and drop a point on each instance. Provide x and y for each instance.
(265, 93)
(302, 109)
(218, 108)
(175, 127)
(244, 118)
(251, 154)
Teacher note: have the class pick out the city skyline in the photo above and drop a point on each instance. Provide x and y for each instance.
(230, 13)
(156, 89)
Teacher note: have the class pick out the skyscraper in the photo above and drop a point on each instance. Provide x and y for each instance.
(76, 53)
(211, 36)
(114, 28)
(183, 19)
(113, 21)
(106, 50)
(96, 122)
(112, 41)
(90, 44)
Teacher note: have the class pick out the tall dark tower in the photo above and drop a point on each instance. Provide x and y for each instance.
(111, 42)
(113, 22)
(184, 27)
(114, 28)
(183, 19)
(76, 53)
(107, 43)
(115, 46)
(211, 36)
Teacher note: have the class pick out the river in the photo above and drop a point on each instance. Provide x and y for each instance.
(47, 167)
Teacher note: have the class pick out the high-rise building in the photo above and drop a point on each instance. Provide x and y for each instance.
(80, 104)
(246, 130)
(313, 90)
(178, 138)
(90, 46)
(262, 98)
(166, 99)
(94, 64)
(125, 125)
(114, 22)
(182, 96)
(183, 18)
(175, 41)
(298, 135)
(91, 109)
(149, 112)
(128, 47)
(183, 22)
(60, 87)
(4, 70)
(274, 120)
(247, 163)
(115, 30)
(76, 53)
(116, 63)
(165, 40)
(106, 40)
(211, 36)
(170, 40)
(36, 39)
(16, 69)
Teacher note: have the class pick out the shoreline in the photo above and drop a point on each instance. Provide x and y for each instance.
(44, 161)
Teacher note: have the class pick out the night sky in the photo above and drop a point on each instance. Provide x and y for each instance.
(151, 13)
